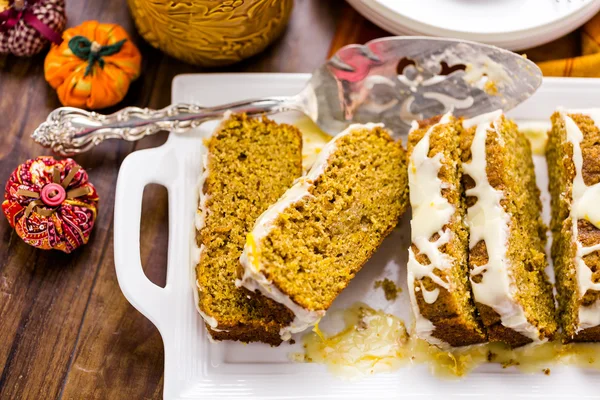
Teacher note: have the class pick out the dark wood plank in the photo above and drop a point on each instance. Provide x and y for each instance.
(305, 43)
(69, 332)
(44, 293)
(44, 296)
(119, 353)
(353, 28)
(65, 328)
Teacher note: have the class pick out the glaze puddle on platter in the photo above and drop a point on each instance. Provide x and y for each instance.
(313, 140)
(373, 341)
(537, 133)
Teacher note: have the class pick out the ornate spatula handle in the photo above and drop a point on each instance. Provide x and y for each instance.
(69, 131)
(359, 84)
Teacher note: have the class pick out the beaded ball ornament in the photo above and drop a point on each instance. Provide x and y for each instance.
(26, 26)
(51, 204)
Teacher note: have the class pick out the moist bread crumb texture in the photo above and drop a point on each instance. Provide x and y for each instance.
(573, 154)
(316, 245)
(510, 172)
(441, 292)
(251, 162)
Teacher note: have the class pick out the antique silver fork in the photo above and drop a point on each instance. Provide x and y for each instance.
(393, 80)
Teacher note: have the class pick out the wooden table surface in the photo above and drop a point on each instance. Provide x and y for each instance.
(66, 330)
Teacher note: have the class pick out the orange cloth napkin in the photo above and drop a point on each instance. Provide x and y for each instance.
(586, 61)
(576, 55)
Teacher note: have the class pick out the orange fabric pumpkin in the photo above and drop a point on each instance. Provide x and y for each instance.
(93, 66)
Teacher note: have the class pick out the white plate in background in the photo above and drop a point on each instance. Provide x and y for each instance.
(197, 369)
(511, 24)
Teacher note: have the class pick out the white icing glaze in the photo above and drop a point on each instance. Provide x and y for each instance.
(265, 222)
(488, 221)
(483, 69)
(197, 251)
(252, 277)
(430, 212)
(199, 223)
(584, 206)
(202, 199)
(430, 296)
(321, 161)
(255, 280)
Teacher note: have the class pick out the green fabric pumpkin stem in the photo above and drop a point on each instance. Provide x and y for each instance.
(89, 51)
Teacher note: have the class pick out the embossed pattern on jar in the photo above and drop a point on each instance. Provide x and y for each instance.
(209, 32)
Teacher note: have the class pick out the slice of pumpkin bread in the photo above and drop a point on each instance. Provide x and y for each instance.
(506, 234)
(309, 245)
(249, 164)
(573, 154)
(438, 277)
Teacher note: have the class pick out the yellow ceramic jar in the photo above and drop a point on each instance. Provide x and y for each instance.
(210, 32)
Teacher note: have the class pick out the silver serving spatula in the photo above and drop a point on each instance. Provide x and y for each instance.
(392, 80)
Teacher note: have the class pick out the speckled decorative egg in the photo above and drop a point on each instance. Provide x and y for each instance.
(210, 32)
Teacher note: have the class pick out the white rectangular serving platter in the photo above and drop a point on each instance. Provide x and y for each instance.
(198, 369)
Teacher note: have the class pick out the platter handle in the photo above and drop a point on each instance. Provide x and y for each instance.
(139, 169)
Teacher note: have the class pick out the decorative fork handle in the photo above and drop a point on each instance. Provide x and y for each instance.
(69, 131)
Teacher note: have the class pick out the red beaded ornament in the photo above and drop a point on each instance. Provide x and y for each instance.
(51, 204)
